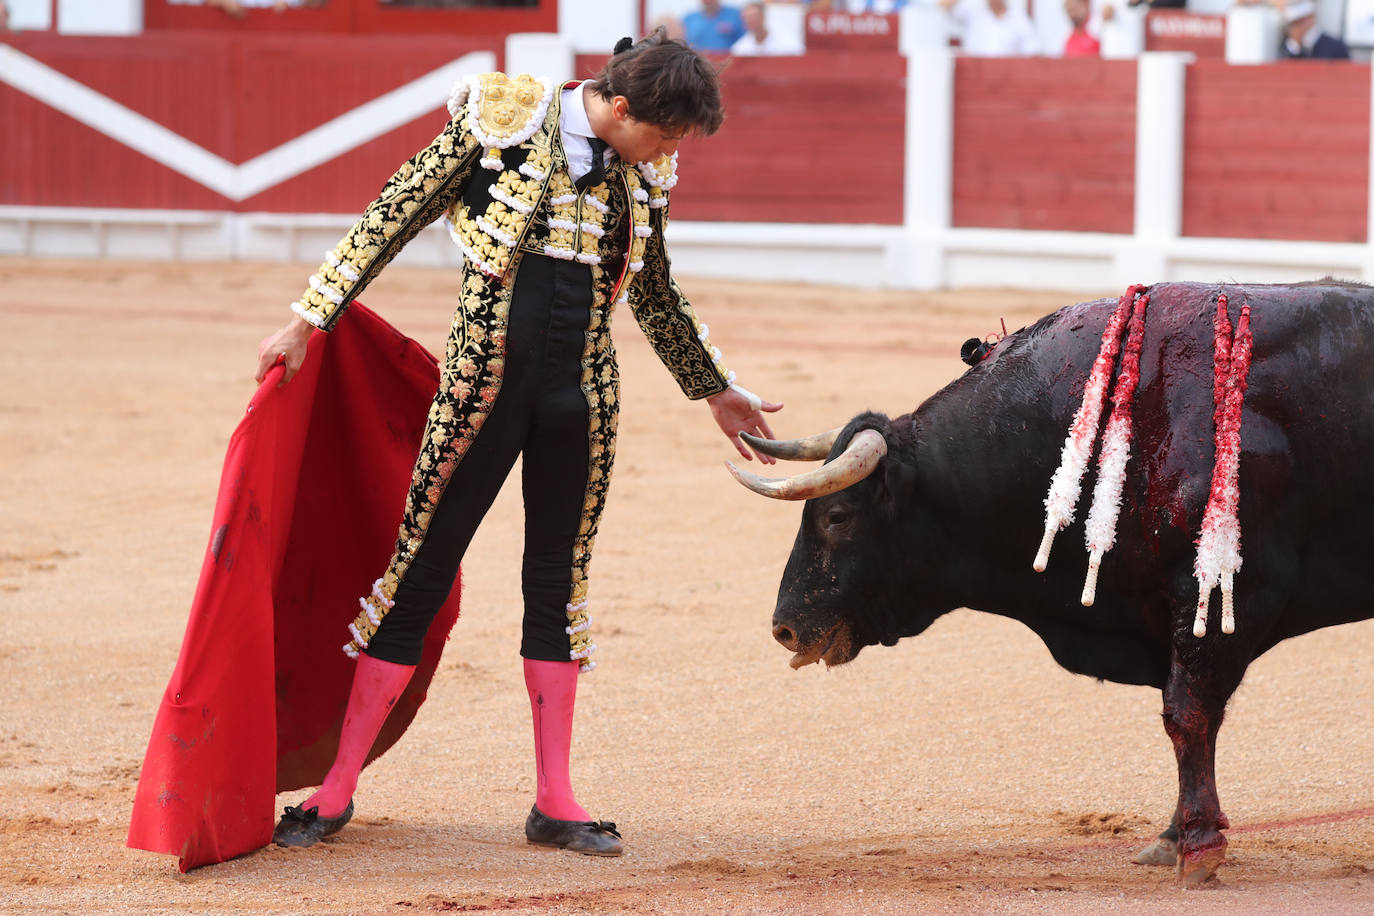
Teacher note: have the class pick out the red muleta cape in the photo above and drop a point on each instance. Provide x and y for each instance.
(309, 502)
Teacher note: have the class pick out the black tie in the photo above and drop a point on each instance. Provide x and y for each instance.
(597, 173)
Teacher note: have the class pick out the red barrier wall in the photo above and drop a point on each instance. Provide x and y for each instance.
(814, 139)
(1044, 144)
(236, 96)
(794, 126)
(366, 17)
(1277, 151)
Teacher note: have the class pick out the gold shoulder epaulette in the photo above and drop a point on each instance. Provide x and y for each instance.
(502, 111)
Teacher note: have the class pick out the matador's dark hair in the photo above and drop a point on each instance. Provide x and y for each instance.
(666, 84)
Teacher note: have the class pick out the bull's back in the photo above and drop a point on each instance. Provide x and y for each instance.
(1307, 437)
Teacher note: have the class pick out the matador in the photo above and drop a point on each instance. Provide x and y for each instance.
(558, 198)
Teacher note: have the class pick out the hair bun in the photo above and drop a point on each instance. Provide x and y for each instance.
(624, 44)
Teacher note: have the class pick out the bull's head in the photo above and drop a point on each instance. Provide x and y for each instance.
(842, 589)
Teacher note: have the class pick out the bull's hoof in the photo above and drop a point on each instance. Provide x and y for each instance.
(1196, 868)
(1161, 852)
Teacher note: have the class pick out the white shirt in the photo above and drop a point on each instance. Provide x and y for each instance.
(1309, 41)
(874, 6)
(576, 130)
(773, 44)
(986, 35)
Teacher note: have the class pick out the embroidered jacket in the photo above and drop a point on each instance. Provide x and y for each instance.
(498, 175)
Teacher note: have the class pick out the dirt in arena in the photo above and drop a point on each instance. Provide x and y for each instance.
(959, 772)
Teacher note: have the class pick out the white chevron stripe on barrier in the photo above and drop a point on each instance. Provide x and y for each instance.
(237, 182)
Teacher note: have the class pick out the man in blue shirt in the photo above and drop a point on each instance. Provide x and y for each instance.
(713, 27)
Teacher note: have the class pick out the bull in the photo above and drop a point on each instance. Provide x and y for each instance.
(942, 508)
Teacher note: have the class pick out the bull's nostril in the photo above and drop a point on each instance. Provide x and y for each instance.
(784, 635)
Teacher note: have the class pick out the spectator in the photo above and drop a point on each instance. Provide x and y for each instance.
(671, 26)
(758, 40)
(1081, 42)
(237, 8)
(4, 17)
(714, 27)
(992, 29)
(459, 4)
(870, 6)
(1305, 39)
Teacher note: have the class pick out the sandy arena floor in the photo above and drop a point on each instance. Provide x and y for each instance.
(960, 772)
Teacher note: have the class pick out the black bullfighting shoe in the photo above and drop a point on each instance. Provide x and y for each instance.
(305, 827)
(591, 838)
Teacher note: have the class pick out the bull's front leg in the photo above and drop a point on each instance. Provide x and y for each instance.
(1194, 704)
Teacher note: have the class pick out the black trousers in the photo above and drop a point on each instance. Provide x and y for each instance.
(542, 414)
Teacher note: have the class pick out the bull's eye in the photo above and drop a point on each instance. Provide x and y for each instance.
(836, 517)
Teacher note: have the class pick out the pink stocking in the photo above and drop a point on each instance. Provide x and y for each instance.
(553, 692)
(377, 685)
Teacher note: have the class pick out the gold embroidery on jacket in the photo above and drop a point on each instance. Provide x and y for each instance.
(630, 210)
(600, 383)
(662, 311)
(411, 199)
(488, 238)
(506, 106)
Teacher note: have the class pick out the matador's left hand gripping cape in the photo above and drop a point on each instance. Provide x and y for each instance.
(498, 176)
(257, 699)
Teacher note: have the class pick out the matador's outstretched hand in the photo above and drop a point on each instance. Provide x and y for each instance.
(735, 414)
(286, 345)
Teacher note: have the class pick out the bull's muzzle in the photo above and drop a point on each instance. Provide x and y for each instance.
(787, 636)
(833, 646)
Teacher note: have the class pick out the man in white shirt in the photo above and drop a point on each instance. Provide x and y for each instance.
(993, 29)
(758, 40)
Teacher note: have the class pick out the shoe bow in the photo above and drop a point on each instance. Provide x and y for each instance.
(305, 816)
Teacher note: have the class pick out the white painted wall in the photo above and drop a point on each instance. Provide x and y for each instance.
(930, 165)
(30, 14)
(594, 26)
(1253, 34)
(540, 54)
(100, 17)
(1123, 36)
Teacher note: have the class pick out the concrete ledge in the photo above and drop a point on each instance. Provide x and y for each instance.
(90, 232)
(865, 256)
(304, 238)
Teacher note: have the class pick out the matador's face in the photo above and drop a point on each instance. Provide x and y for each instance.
(641, 142)
(638, 141)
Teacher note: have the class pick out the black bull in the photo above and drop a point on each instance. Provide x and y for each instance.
(951, 515)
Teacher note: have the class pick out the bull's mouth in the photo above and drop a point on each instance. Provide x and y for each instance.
(835, 647)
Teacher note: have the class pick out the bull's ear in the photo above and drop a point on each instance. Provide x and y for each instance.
(896, 475)
(893, 478)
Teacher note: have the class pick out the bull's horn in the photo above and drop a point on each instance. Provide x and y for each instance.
(812, 448)
(859, 459)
